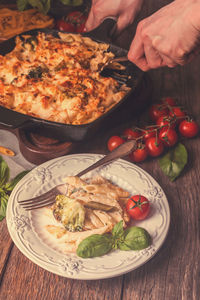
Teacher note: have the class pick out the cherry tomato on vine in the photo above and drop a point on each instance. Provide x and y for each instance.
(168, 136)
(166, 121)
(139, 155)
(157, 110)
(154, 146)
(114, 142)
(130, 133)
(138, 207)
(62, 25)
(73, 22)
(148, 132)
(178, 113)
(78, 19)
(188, 128)
(169, 101)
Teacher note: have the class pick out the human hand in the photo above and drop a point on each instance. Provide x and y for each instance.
(124, 10)
(169, 37)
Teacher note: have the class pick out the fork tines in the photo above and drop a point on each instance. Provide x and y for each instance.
(121, 79)
(45, 199)
(38, 202)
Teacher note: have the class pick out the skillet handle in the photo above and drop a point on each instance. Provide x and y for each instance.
(104, 31)
(12, 119)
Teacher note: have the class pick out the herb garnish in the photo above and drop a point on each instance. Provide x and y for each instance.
(174, 161)
(44, 5)
(6, 186)
(132, 238)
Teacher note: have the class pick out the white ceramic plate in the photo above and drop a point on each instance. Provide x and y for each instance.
(27, 228)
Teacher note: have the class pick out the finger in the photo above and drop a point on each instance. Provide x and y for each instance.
(167, 60)
(143, 64)
(136, 53)
(121, 24)
(92, 21)
(124, 20)
(154, 60)
(139, 61)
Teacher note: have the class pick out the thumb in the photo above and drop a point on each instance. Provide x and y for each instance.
(125, 20)
(90, 21)
(93, 21)
(122, 23)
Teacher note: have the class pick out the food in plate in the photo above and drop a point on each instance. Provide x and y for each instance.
(91, 206)
(58, 78)
(13, 22)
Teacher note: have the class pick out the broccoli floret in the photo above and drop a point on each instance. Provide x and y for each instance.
(69, 212)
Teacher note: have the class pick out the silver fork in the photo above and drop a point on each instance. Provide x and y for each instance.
(48, 198)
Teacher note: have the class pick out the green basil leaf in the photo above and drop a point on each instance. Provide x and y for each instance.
(118, 230)
(94, 245)
(47, 6)
(22, 4)
(174, 161)
(10, 185)
(37, 4)
(135, 238)
(72, 2)
(3, 205)
(4, 172)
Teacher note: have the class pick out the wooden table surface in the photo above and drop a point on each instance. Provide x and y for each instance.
(174, 272)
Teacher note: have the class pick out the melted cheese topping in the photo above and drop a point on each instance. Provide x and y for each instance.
(58, 79)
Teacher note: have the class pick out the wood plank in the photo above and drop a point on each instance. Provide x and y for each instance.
(32, 282)
(174, 272)
(5, 246)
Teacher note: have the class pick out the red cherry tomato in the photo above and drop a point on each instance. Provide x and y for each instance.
(166, 121)
(150, 131)
(189, 128)
(154, 146)
(73, 22)
(170, 101)
(157, 110)
(80, 28)
(168, 136)
(139, 155)
(62, 25)
(178, 113)
(131, 133)
(78, 19)
(114, 142)
(138, 207)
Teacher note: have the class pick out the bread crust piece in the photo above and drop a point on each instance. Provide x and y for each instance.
(13, 22)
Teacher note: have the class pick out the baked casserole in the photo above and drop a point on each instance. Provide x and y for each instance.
(58, 78)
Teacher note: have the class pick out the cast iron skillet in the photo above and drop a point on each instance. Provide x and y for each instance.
(11, 119)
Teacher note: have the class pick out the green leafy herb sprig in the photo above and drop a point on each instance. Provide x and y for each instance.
(174, 161)
(6, 186)
(44, 5)
(132, 238)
